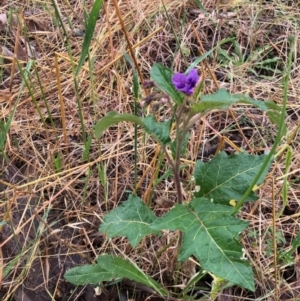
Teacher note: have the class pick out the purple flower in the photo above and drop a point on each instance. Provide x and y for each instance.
(186, 83)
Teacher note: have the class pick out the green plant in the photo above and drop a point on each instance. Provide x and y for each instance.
(207, 226)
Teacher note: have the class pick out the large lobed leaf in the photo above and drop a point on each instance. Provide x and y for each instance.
(131, 219)
(226, 178)
(209, 233)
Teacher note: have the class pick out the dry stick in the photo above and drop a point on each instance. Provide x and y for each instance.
(221, 144)
(117, 168)
(212, 74)
(131, 52)
(62, 105)
(72, 9)
(153, 162)
(129, 43)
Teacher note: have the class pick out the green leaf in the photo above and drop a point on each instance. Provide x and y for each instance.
(199, 59)
(113, 118)
(219, 100)
(209, 233)
(89, 274)
(226, 178)
(162, 77)
(200, 5)
(110, 267)
(295, 245)
(126, 269)
(131, 219)
(89, 31)
(223, 100)
(160, 130)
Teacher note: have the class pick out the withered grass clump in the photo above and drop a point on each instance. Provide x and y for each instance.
(57, 181)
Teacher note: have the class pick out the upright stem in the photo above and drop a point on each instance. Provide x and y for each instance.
(182, 127)
(180, 136)
(177, 161)
(178, 186)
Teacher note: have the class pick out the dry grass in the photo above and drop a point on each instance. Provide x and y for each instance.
(52, 197)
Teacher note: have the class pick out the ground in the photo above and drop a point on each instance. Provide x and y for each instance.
(57, 180)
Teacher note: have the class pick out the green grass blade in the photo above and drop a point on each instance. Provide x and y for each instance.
(89, 31)
(6, 126)
(200, 5)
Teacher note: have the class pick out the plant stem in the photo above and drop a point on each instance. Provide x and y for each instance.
(178, 186)
(180, 136)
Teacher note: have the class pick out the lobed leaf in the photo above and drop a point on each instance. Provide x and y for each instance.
(226, 178)
(219, 100)
(131, 219)
(209, 233)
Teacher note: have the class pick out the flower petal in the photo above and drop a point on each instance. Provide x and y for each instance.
(186, 83)
(193, 77)
(179, 80)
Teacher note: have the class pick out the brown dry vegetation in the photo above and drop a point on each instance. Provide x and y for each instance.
(52, 198)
